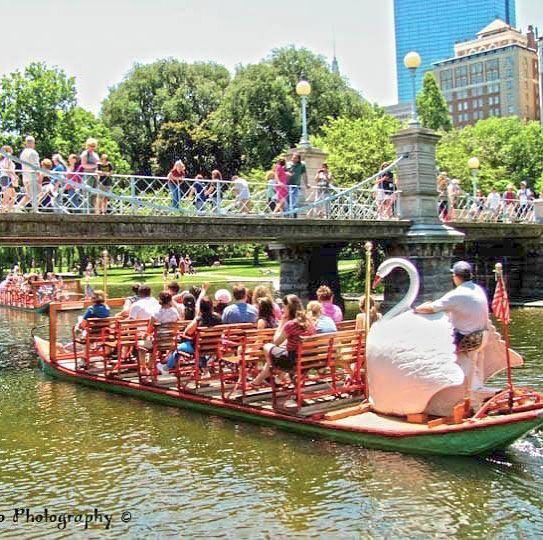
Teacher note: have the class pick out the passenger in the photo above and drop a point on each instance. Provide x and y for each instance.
(361, 317)
(189, 304)
(261, 291)
(145, 307)
(222, 299)
(240, 311)
(282, 352)
(322, 323)
(325, 297)
(205, 318)
(98, 310)
(130, 300)
(177, 299)
(266, 317)
(167, 312)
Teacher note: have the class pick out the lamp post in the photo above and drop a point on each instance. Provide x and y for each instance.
(474, 166)
(303, 89)
(105, 262)
(412, 62)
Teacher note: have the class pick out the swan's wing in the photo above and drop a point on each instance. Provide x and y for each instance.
(494, 356)
(409, 359)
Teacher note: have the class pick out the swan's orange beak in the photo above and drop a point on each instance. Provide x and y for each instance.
(376, 281)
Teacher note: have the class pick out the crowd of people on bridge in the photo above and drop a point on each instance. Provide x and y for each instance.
(511, 205)
(59, 181)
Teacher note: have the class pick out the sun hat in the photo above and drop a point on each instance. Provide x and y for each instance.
(223, 296)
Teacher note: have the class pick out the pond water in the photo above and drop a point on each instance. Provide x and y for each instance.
(71, 450)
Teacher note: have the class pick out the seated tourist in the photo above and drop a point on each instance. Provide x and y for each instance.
(145, 307)
(262, 291)
(322, 323)
(206, 317)
(130, 300)
(98, 310)
(361, 317)
(177, 299)
(222, 299)
(281, 353)
(240, 311)
(325, 297)
(266, 316)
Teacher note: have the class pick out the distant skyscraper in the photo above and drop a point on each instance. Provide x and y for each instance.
(432, 27)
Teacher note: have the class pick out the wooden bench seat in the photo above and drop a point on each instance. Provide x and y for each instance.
(95, 344)
(327, 365)
(346, 325)
(207, 342)
(239, 358)
(128, 332)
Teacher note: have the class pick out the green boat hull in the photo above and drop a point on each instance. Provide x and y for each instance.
(468, 442)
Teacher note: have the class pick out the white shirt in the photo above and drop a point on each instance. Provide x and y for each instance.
(167, 315)
(31, 156)
(493, 200)
(143, 309)
(242, 188)
(467, 306)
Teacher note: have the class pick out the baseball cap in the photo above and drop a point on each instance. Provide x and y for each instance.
(462, 269)
(223, 296)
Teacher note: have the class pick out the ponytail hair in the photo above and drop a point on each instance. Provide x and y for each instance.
(295, 310)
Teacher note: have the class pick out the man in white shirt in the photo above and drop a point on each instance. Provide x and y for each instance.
(146, 307)
(467, 304)
(494, 201)
(30, 178)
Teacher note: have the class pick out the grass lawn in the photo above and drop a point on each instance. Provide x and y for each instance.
(230, 272)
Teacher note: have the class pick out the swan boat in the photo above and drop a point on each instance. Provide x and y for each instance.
(493, 427)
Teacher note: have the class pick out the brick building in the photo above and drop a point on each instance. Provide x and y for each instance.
(495, 74)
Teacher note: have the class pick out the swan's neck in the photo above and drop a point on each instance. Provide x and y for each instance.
(407, 301)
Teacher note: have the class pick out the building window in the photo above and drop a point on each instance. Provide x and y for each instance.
(492, 68)
(445, 79)
(461, 76)
(476, 73)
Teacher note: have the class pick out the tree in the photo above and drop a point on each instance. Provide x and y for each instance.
(358, 147)
(76, 126)
(32, 103)
(331, 96)
(509, 149)
(432, 107)
(257, 119)
(164, 91)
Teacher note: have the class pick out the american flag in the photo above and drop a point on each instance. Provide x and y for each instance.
(500, 302)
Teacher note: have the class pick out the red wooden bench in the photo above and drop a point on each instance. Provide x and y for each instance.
(239, 357)
(326, 365)
(95, 344)
(127, 334)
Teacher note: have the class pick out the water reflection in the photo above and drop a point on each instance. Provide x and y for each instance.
(68, 447)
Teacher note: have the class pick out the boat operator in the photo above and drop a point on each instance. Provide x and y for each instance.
(467, 306)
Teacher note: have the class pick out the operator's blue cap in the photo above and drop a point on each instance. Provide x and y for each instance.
(462, 269)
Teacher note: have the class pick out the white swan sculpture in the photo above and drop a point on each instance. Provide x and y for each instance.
(411, 357)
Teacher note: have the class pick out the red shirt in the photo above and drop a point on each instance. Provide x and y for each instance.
(178, 175)
(293, 331)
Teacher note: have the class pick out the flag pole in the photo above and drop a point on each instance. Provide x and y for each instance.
(505, 326)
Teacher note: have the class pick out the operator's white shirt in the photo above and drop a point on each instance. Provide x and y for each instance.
(467, 306)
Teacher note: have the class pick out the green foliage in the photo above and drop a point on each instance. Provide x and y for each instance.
(33, 102)
(152, 94)
(509, 149)
(76, 126)
(256, 120)
(331, 96)
(432, 107)
(358, 147)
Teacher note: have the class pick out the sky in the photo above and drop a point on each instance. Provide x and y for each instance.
(98, 41)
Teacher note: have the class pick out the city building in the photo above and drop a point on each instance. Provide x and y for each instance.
(432, 27)
(495, 74)
(402, 111)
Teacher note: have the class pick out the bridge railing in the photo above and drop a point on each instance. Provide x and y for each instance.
(466, 208)
(89, 193)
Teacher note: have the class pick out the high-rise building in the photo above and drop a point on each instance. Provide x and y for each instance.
(433, 27)
(495, 74)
